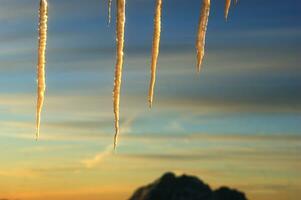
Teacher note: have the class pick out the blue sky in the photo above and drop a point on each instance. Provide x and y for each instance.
(251, 61)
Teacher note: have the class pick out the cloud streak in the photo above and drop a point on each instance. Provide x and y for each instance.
(98, 158)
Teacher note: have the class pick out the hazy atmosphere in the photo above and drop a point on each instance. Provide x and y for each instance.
(236, 123)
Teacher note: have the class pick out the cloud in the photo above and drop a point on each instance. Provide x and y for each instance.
(172, 157)
(98, 158)
(127, 124)
(22, 10)
(64, 169)
(18, 173)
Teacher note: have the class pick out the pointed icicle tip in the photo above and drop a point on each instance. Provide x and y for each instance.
(227, 8)
(201, 35)
(150, 104)
(115, 140)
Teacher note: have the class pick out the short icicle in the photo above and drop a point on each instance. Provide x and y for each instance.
(155, 50)
(227, 8)
(201, 35)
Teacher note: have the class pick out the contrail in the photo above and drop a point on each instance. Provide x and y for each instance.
(227, 7)
(43, 17)
(155, 50)
(120, 23)
(109, 11)
(201, 36)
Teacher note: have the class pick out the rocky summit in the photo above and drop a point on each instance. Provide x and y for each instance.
(171, 187)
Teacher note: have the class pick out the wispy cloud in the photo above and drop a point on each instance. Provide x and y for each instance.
(18, 173)
(126, 127)
(98, 158)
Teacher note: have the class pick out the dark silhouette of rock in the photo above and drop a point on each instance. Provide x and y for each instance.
(225, 193)
(170, 187)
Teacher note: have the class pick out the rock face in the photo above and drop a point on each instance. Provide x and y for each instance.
(170, 187)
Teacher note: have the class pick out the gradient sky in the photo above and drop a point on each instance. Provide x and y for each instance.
(237, 123)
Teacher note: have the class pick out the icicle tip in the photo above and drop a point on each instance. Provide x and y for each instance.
(115, 140)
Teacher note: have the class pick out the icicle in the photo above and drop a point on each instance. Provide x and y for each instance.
(201, 36)
(109, 11)
(43, 12)
(155, 50)
(227, 7)
(119, 63)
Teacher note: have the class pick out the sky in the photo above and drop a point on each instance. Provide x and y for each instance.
(237, 123)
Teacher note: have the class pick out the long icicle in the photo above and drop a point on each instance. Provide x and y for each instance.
(155, 50)
(201, 36)
(109, 11)
(120, 24)
(227, 7)
(43, 12)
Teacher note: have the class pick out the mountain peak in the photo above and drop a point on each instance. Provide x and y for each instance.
(184, 187)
